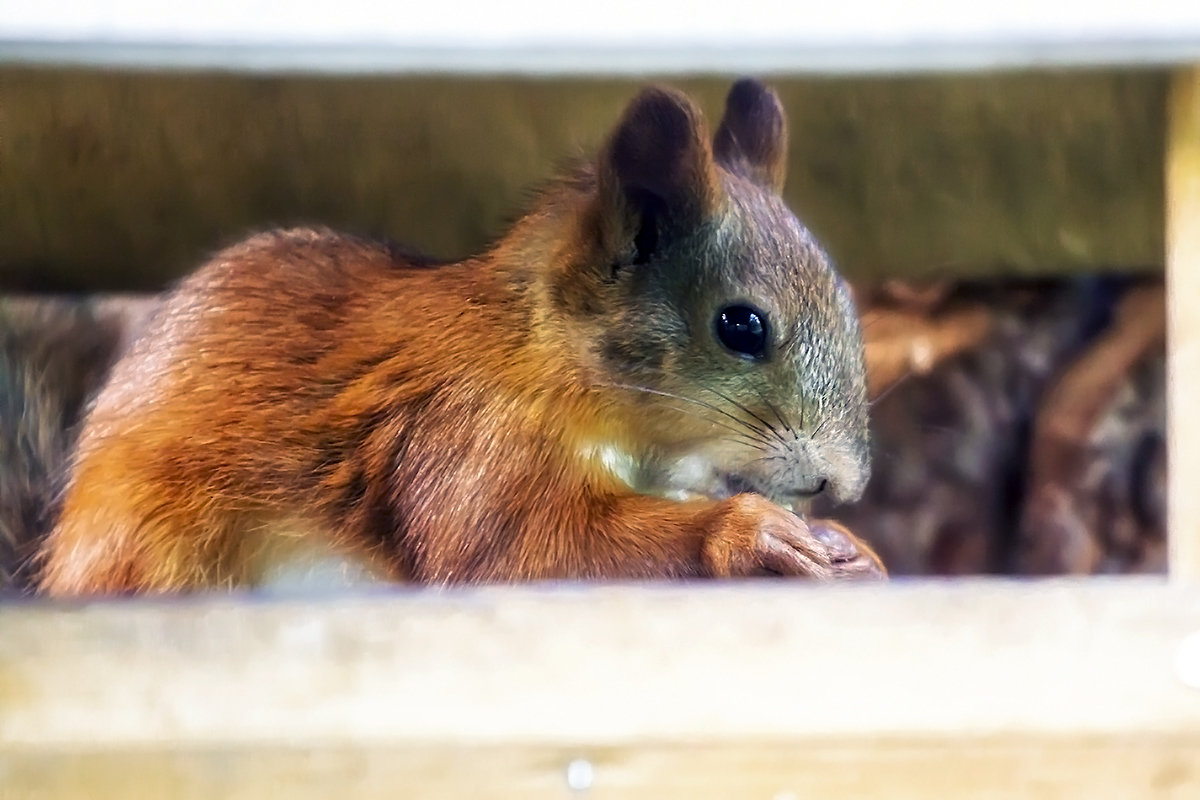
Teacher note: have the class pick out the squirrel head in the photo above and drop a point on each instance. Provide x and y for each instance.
(707, 313)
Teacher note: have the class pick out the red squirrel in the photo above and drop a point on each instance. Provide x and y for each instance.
(644, 378)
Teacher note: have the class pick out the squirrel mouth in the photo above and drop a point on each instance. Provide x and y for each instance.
(798, 503)
(798, 506)
(706, 483)
(736, 484)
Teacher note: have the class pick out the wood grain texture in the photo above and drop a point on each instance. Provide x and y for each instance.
(1054, 689)
(119, 180)
(1183, 331)
(1034, 768)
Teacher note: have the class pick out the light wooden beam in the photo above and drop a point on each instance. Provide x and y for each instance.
(1012, 180)
(1084, 689)
(1183, 330)
(620, 36)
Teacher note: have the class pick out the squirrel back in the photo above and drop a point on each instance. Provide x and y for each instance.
(644, 378)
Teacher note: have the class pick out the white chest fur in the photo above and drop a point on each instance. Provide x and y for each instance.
(298, 557)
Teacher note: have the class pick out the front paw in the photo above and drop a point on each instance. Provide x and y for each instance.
(851, 556)
(750, 535)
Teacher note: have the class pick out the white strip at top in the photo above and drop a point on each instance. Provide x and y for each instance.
(617, 36)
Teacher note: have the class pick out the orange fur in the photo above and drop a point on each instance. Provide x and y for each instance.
(433, 422)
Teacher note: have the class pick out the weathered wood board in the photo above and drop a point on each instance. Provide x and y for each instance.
(970, 689)
(112, 180)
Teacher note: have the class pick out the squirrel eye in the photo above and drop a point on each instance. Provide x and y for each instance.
(743, 330)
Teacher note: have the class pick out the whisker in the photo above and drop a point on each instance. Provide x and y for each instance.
(891, 388)
(775, 410)
(769, 427)
(870, 319)
(745, 441)
(758, 435)
(734, 434)
(775, 457)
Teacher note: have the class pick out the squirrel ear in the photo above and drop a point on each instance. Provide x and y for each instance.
(752, 137)
(658, 162)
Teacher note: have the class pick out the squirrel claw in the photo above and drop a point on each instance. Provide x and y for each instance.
(851, 556)
(753, 536)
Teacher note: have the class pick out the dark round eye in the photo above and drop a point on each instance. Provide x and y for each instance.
(743, 330)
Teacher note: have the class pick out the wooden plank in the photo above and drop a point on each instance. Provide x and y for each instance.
(1036, 768)
(1183, 323)
(618, 37)
(118, 181)
(1063, 688)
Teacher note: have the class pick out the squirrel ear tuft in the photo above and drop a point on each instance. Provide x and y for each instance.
(660, 153)
(752, 137)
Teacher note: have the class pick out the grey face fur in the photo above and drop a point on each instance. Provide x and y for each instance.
(681, 226)
(787, 425)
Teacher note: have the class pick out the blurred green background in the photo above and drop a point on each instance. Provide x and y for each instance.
(126, 180)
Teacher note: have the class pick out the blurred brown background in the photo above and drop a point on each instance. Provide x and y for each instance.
(1003, 232)
(120, 180)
